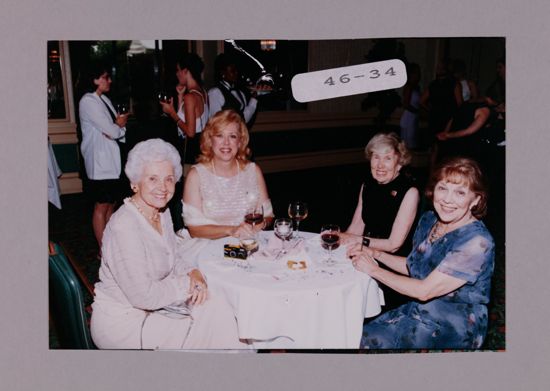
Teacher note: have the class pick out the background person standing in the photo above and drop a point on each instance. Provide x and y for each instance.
(101, 128)
(227, 94)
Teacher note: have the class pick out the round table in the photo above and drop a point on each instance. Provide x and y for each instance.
(276, 307)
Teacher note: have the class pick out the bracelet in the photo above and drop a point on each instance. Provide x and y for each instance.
(366, 241)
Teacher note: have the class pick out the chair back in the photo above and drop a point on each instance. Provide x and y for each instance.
(67, 302)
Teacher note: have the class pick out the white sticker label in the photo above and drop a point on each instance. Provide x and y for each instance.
(351, 80)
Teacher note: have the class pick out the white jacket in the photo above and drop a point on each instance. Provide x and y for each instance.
(99, 148)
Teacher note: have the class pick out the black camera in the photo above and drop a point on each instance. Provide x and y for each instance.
(233, 251)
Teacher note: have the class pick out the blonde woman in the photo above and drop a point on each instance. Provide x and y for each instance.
(224, 184)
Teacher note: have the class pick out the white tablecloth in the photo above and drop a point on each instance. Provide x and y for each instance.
(321, 307)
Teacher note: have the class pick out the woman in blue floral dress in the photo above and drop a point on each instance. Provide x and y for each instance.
(447, 274)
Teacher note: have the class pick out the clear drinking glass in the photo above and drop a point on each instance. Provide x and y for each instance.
(250, 244)
(297, 211)
(283, 230)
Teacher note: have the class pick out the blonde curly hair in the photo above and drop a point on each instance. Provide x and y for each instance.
(214, 125)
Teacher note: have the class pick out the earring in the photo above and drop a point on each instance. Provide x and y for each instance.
(134, 188)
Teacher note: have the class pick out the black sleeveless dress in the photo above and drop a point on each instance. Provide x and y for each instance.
(381, 203)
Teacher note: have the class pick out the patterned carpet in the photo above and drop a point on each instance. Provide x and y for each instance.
(331, 194)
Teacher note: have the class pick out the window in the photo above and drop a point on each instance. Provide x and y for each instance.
(57, 108)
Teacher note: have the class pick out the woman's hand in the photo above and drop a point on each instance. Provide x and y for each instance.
(167, 107)
(244, 230)
(364, 262)
(259, 227)
(121, 120)
(268, 222)
(197, 287)
(357, 249)
(442, 136)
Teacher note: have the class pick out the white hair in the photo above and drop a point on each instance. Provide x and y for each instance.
(388, 140)
(153, 150)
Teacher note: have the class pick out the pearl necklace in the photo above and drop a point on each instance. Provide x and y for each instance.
(154, 218)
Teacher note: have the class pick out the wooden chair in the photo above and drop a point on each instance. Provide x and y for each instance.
(67, 302)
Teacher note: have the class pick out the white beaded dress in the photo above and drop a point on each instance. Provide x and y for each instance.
(225, 200)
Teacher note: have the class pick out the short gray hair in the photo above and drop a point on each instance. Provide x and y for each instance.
(391, 140)
(152, 150)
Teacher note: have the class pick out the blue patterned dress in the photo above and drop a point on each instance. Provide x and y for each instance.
(457, 320)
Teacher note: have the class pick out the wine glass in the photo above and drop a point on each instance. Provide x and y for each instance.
(250, 244)
(164, 97)
(122, 108)
(297, 211)
(283, 230)
(330, 239)
(254, 215)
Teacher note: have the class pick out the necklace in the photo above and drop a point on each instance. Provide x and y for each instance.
(238, 168)
(154, 218)
(217, 181)
(228, 190)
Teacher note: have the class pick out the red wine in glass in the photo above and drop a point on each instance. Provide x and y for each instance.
(254, 215)
(254, 218)
(330, 240)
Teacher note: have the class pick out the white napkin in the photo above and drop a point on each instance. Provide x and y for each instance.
(271, 250)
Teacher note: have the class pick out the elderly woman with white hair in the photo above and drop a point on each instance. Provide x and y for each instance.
(388, 200)
(147, 296)
(387, 205)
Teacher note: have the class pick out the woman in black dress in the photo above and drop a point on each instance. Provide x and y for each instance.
(387, 205)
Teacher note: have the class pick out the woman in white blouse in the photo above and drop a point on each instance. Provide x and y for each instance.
(224, 184)
(150, 295)
(101, 128)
